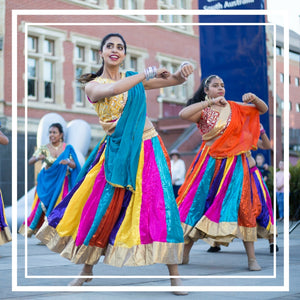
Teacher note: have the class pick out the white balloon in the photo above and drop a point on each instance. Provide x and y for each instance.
(79, 135)
(42, 137)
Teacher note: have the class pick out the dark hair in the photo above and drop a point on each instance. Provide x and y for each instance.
(90, 76)
(200, 93)
(59, 127)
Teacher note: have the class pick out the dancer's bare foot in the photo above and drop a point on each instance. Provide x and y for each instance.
(81, 280)
(253, 265)
(178, 282)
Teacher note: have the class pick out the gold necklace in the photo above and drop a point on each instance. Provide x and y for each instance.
(57, 147)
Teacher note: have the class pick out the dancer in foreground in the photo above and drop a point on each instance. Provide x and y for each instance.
(124, 207)
(216, 202)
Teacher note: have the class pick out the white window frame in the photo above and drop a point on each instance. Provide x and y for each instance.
(140, 54)
(97, 4)
(180, 93)
(140, 5)
(56, 58)
(281, 77)
(165, 5)
(35, 78)
(87, 65)
(298, 107)
(297, 81)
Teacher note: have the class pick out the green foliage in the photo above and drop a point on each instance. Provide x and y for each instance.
(295, 191)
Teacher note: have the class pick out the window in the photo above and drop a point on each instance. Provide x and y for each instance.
(48, 47)
(44, 66)
(278, 50)
(297, 107)
(281, 77)
(165, 5)
(297, 81)
(32, 44)
(92, 3)
(290, 106)
(32, 78)
(130, 4)
(295, 56)
(48, 81)
(175, 94)
(79, 53)
(86, 61)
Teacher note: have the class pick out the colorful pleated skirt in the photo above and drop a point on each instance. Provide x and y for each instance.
(129, 228)
(5, 234)
(222, 199)
(38, 211)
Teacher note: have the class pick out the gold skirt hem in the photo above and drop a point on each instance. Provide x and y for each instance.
(30, 232)
(5, 235)
(224, 233)
(139, 255)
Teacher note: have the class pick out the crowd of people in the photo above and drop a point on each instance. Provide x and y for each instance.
(131, 203)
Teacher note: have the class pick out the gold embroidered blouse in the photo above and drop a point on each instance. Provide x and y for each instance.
(49, 159)
(110, 109)
(213, 123)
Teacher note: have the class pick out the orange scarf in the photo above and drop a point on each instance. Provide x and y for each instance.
(241, 135)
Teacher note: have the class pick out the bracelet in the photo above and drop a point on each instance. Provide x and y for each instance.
(68, 159)
(150, 72)
(183, 64)
(262, 132)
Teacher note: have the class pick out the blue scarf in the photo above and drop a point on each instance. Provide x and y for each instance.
(50, 181)
(124, 145)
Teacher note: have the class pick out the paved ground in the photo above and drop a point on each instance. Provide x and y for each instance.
(226, 270)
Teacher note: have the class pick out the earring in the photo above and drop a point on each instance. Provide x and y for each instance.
(207, 98)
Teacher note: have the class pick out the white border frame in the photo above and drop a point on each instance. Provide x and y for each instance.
(15, 14)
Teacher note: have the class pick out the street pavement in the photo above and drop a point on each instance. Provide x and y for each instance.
(222, 275)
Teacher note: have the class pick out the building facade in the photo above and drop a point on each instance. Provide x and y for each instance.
(54, 50)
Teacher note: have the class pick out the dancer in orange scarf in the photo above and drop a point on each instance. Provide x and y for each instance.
(216, 201)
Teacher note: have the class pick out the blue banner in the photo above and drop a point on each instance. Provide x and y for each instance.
(237, 53)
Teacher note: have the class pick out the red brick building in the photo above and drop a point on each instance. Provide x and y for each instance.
(61, 46)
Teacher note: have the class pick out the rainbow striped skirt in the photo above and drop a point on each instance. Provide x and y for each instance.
(128, 228)
(222, 199)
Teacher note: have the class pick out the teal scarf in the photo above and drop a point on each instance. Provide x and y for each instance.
(124, 145)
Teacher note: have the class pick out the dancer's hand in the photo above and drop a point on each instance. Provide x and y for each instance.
(65, 161)
(220, 101)
(186, 69)
(163, 73)
(40, 157)
(249, 98)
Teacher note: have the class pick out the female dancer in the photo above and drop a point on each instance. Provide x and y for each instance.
(5, 234)
(216, 202)
(58, 174)
(124, 208)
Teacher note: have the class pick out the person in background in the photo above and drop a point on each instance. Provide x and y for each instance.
(177, 171)
(280, 189)
(60, 168)
(5, 234)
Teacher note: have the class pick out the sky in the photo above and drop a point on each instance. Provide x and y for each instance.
(293, 8)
